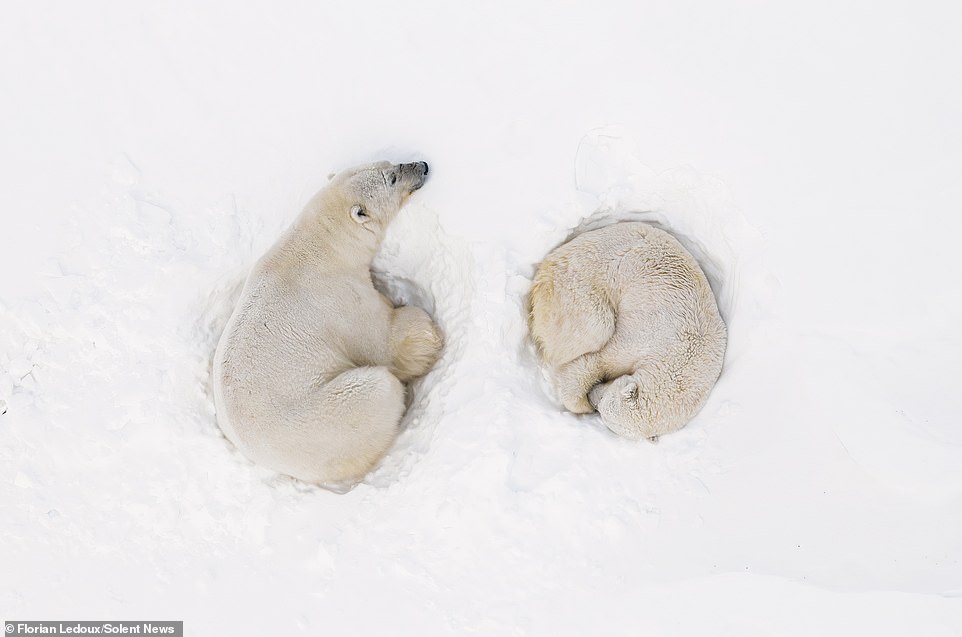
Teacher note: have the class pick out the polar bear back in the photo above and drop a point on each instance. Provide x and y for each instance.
(284, 341)
(660, 295)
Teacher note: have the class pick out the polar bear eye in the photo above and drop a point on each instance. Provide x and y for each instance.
(392, 179)
(359, 214)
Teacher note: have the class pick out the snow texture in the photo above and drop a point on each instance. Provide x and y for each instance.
(807, 156)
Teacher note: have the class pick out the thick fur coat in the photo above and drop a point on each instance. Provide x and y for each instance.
(309, 375)
(627, 325)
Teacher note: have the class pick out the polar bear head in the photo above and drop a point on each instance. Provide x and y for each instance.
(362, 201)
(625, 408)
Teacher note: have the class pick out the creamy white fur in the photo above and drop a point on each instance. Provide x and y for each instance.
(627, 325)
(309, 373)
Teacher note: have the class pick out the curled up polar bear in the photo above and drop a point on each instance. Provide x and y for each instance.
(309, 374)
(627, 325)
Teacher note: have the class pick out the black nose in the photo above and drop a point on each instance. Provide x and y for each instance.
(418, 167)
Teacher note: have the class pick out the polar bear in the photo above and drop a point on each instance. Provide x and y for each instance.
(309, 375)
(626, 324)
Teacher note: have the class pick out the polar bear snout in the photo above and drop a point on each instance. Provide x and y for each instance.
(414, 174)
(417, 167)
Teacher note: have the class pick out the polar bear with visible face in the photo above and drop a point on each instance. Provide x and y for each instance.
(309, 373)
(627, 325)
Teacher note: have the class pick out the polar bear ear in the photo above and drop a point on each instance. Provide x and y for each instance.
(358, 214)
(331, 176)
(630, 391)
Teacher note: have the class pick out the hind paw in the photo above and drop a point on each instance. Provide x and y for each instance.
(416, 343)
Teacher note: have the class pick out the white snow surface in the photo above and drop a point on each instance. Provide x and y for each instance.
(807, 154)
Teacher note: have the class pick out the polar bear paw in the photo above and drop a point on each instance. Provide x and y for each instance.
(416, 343)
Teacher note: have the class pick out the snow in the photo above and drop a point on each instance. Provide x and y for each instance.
(808, 156)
